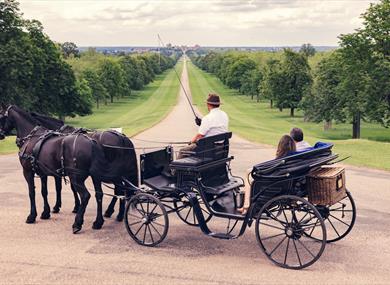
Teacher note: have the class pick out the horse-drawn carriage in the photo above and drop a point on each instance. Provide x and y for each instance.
(290, 230)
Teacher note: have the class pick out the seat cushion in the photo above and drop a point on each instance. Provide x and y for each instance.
(190, 161)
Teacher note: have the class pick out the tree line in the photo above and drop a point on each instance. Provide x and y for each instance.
(349, 84)
(56, 79)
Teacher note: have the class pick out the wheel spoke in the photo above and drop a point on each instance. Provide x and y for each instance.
(306, 248)
(150, 232)
(156, 230)
(330, 222)
(135, 223)
(307, 213)
(285, 257)
(154, 222)
(135, 216)
(312, 230)
(189, 211)
(139, 229)
(274, 236)
(276, 219)
(277, 246)
(272, 226)
(143, 241)
(338, 220)
(152, 211)
(193, 214)
(296, 250)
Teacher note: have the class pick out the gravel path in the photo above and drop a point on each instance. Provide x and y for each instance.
(48, 253)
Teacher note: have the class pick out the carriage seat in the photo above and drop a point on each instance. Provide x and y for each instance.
(232, 183)
(208, 149)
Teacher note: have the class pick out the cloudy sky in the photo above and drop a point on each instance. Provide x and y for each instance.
(207, 23)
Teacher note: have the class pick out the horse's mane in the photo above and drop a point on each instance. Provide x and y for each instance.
(26, 115)
(47, 121)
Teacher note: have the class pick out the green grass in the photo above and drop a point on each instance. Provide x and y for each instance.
(258, 123)
(134, 114)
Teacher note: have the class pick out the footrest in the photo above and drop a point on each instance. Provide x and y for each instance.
(222, 235)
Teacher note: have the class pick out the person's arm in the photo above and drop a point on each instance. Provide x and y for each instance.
(196, 138)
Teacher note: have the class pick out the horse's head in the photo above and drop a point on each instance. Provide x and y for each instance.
(6, 125)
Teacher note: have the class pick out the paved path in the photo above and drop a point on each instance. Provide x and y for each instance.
(48, 253)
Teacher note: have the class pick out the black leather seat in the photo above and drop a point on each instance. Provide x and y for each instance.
(208, 149)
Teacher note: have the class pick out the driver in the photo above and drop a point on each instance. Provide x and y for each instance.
(214, 123)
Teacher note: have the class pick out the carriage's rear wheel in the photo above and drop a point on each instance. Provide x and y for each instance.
(185, 211)
(280, 231)
(146, 219)
(339, 219)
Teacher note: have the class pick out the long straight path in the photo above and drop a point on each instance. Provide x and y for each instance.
(47, 252)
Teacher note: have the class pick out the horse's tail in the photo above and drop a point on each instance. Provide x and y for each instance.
(100, 167)
(111, 170)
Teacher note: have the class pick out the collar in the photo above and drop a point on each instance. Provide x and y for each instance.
(214, 110)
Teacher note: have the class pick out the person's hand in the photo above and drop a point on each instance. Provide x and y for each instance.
(198, 121)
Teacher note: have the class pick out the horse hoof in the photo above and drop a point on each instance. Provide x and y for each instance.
(97, 225)
(56, 210)
(108, 214)
(76, 229)
(119, 218)
(45, 216)
(30, 219)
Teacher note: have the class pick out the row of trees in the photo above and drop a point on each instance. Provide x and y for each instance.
(56, 79)
(111, 77)
(349, 85)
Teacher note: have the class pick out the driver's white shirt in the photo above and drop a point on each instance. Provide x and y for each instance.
(214, 123)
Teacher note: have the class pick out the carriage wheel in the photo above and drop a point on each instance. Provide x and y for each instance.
(280, 231)
(186, 213)
(339, 219)
(146, 219)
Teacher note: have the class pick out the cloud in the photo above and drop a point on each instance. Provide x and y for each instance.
(228, 22)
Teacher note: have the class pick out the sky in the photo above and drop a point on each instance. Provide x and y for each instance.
(190, 22)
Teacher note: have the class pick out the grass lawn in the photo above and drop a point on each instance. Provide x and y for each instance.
(257, 122)
(134, 114)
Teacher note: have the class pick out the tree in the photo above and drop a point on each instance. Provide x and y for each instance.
(324, 102)
(237, 70)
(250, 82)
(113, 78)
(69, 49)
(32, 71)
(271, 85)
(365, 58)
(295, 79)
(98, 91)
(307, 50)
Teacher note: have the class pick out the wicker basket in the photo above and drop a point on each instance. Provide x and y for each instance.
(326, 186)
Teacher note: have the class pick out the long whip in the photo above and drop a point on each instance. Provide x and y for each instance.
(181, 84)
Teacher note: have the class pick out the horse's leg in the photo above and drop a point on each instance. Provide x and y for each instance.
(78, 183)
(98, 223)
(46, 207)
(29, 176)
(57, 206)
(119, 191)
(76, 199)
(111, 207)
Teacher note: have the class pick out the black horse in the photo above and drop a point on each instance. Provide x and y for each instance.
(76, 156)
(127, 159)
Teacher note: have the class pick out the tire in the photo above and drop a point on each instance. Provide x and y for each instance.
(280, 227)
(339, 219)
(186, 213)
(146, 220)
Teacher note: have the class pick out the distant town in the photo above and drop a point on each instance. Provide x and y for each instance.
(117, 50)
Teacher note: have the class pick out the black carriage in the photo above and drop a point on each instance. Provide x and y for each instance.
(290, 230)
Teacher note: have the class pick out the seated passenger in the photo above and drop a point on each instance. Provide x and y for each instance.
(214, 123)
(286, 146)
(297, 136)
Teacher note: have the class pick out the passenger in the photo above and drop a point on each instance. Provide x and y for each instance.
(214, 123)
(297, 136)
(286, 146)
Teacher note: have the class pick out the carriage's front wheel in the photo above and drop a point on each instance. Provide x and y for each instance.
(146, 219)
(281, 228)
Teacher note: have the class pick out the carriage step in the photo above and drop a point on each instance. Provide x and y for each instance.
(222, 235)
